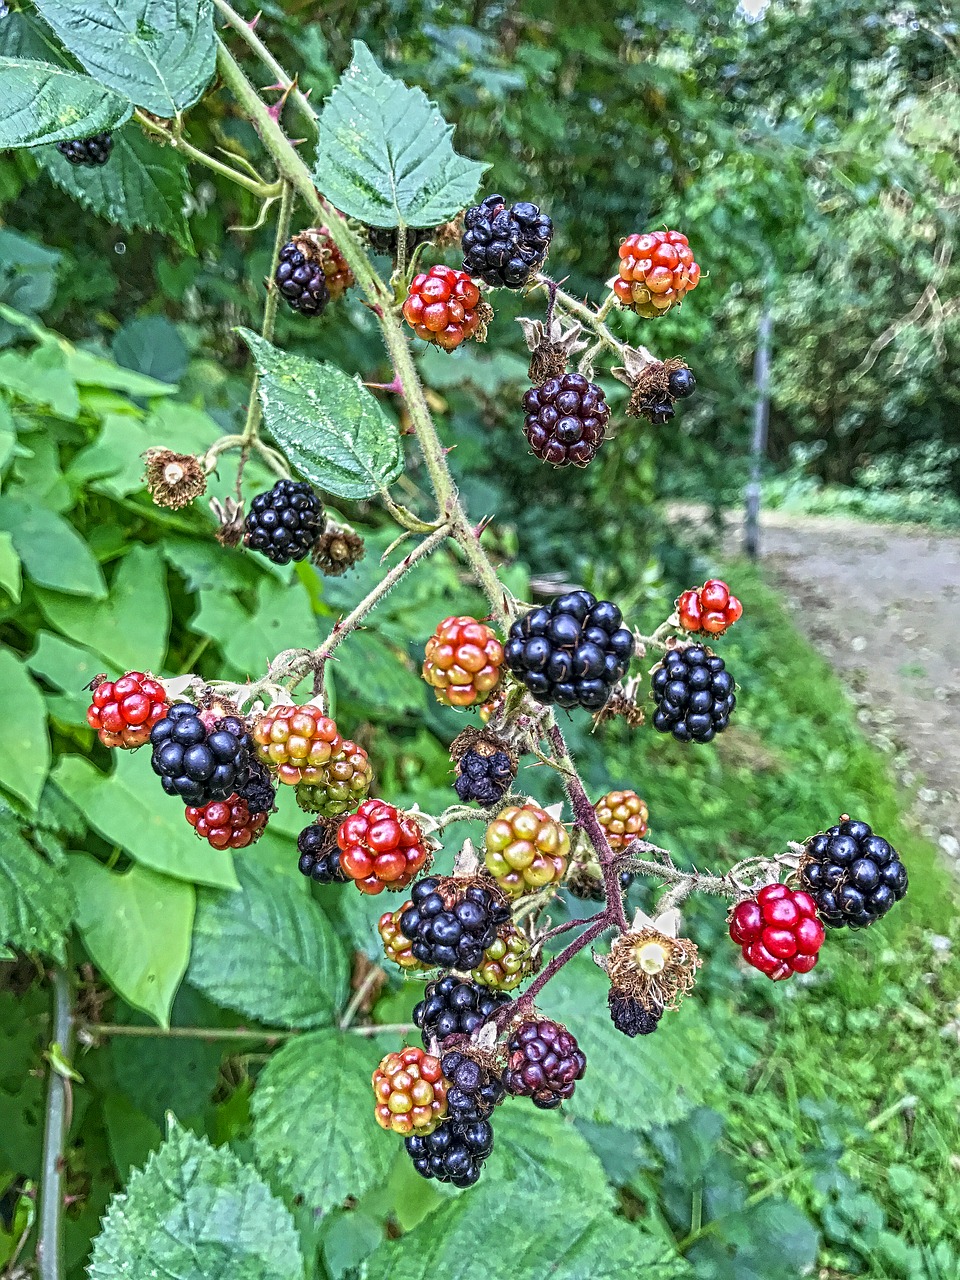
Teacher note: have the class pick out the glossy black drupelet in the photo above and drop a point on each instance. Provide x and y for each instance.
(694, 695)
(452, 1153)
(93, 151)
(454, 936)
(631, 1016)
(473, 1090)
(484, 779)
(681, 383)
(505, 246)
(572, 652)
(258, 790)
(285, 522)
(852, 875)
(452, 1006)
(566, 420)
(320, 854)
(301, 281)
(196, 763)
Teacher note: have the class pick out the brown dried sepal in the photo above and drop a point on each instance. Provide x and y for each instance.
(317, 246)
(551, 348)
(484, 313)
(229, 516)
(337, 550)
(622, 704)
(447, 234)
(653, 968)
(173, 479)
(584, 881)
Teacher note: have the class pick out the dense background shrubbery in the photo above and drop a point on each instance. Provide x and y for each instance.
(811, 158)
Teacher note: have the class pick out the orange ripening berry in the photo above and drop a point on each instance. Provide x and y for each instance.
(463, 662)
(656, 271)
(709, 609)
(410, 1092)
(297, 742)
(441, 306)
(623, 816)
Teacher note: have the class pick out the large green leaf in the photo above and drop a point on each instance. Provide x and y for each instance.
(268, 951)
(196, 1212)
(53, 553)
(320, 1084)
(329, 426)
(42, 103)
(160, 54)
(384, 153)
(128, 808)
(11, 578)
(282, 619)
(25, 749)
(144, 185)
(136, 929)
(36, 903)
(537, 1148)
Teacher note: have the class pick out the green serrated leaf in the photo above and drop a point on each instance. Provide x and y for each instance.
(36, 903)
(160, 54)
(328, 425)
(25, 754)
(320, 1084)
(268, 951)
(129, 809)
(43, 104)
(196, 1212)
(385, 154)
(136, 929)
(143, 185)
(11, 578)
(282, 619)
(53, 553)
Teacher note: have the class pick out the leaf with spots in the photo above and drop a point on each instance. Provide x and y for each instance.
(47, 104)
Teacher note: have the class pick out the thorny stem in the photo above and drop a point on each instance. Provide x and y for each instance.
(56, 1128)
(262, 190)
(92, 1031)
(247, 33)
(593, 319)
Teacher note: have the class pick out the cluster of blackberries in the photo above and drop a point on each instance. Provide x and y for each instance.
(694, 695)
(285, 522)
(453, 1153)
(505, 247)
(301, 280)
(544, 1063)
(852, 875)
(452, 1006)
(320, 854)
(197, 763)
(485, 779)
(451, 929)
(93, 151)
(632, 1016)
(566, 420)
(571, 652)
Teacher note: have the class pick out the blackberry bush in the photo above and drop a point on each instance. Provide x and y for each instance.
(505, 246)
(694, 695)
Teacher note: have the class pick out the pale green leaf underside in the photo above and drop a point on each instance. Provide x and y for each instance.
(47, 104)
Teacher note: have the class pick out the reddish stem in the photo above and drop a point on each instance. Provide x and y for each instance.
(598, 925)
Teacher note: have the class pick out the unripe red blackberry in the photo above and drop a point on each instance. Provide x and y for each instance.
(442, 307)
(93, 151)
(566, 420)
(410, 1092)
(526, 849)
(778, 931)
(656, 271)
(380, 848)
(462, 661)
(710, 608)
(505, 246)
(284, 523)
(345, 780)
(227, 824)
(544, 1062)
(297, 742)
(124, 711)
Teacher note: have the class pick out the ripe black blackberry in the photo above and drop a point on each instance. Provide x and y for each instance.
(571, 652)
(453, 1006)
(505, 247)
(473, 1090)
(694, 695)
(197, 763)
(301, 280)
(320, 854)
(449, 926)
(630, 1016)
(285, 522)
(566, 420)
(484, 778)
(93, 151)
(544, 1063)
(258, 791)
(852, 875)
(452, 1153)
(681, 383)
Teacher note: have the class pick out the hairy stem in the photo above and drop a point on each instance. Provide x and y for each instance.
(56, 1127)
(254, 409)
(262, 190)
(248, 35)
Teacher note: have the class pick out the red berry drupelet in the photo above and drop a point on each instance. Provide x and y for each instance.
(462, 661)
(410, 1092)
(380, 848)
(544, 1062)
(91, 152)
(694, 694)
(571, 652)
(285, 522)
(852, 875)
(778, 931)
(710, 608)
(656, 271)
(200, 762)
(124, 711)
(566, 420)
(227, 824)
(451, 922)
(505, 246)
(452, 1006)
(442, 307)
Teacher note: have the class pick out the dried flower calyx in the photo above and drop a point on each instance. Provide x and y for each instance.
(173, 479)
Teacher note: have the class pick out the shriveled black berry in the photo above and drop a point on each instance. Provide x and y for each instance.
(301, 280)
(660, 414)
(505, 247)
(320, 854)
(852, 875)
(452, 1153)
(572, 652)
(258, 791)
(485, 779)
(93, 151)
(473, 1089)
(452, 1006)
(544, 1063)
(196, 763)
(566, 420)
(631, 1016)
(451, 929)
(694, 695)
(285, 522)
(681, 383)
